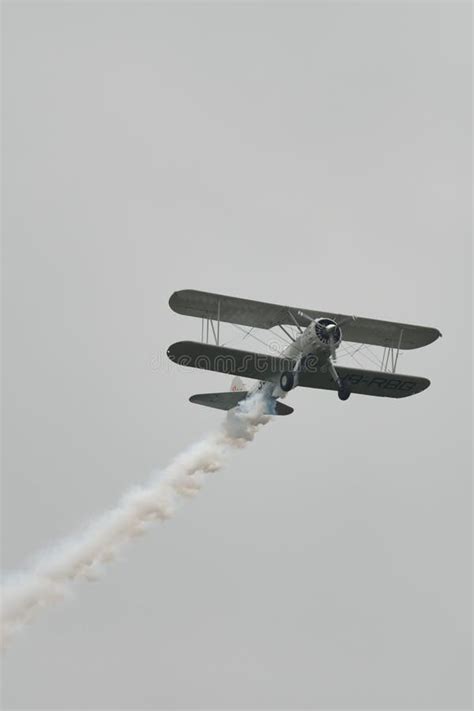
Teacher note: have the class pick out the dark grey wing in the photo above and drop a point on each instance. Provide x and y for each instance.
(229, 360)
(367, 382)
(229, 309)
(374, 332)
(260, 314)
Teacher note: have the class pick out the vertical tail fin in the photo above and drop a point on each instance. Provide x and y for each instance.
(237, 385)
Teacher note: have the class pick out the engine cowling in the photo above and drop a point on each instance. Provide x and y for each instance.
(325, 329)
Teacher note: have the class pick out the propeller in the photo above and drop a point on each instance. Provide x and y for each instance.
(346, 320)
(303, 315)
(330, 329)
(337, 323)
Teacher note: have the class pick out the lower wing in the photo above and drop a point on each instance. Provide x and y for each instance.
(260, 366)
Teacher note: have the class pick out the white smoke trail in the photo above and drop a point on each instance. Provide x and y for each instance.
(83, 556)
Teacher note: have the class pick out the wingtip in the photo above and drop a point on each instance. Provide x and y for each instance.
(172, 300)
(175, 302)
(424, 385)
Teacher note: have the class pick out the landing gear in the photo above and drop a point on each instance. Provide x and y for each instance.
(344, 391)
(287, 381)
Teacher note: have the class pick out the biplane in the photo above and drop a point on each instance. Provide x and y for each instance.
(307, 358)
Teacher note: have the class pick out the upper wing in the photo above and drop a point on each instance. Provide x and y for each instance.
(231, 309)
(269, 367)
(259, 314)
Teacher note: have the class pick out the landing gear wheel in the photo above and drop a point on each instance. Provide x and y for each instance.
(344, 391)
(287, 381)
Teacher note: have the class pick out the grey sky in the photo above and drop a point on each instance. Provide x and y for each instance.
(315, 154)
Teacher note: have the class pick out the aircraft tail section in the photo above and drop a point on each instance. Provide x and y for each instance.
(229, 400)
(237, 384)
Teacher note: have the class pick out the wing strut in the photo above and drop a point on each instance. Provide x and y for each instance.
(216, 330)
(295, 322)
(286, 333)
(395, 360)
(391, 354)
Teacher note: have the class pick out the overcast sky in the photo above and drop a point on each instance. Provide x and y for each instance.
(313, 154)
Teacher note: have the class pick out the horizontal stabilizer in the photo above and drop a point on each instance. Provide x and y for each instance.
(282, 409)
(227, 401)
(221, 401)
